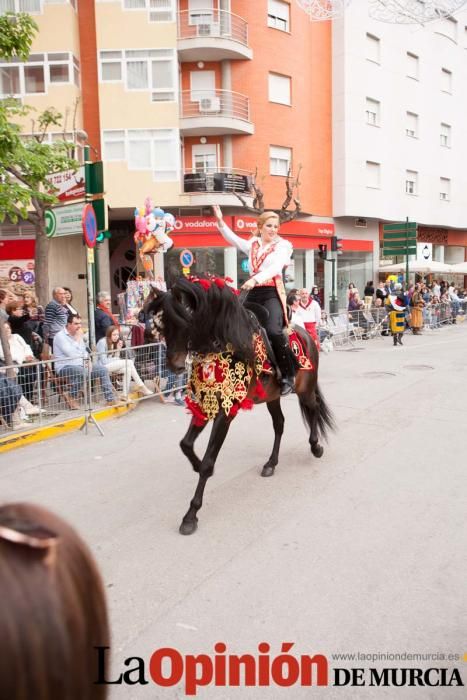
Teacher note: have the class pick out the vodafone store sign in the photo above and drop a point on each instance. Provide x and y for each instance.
(198, 224)
(247, 225)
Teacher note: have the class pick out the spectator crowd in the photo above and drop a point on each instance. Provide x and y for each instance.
(49, 352)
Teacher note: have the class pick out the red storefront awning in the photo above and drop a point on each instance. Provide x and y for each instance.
(17, 249)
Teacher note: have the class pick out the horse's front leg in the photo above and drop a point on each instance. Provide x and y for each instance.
(187, 442)
(219, 431)
(274, 408)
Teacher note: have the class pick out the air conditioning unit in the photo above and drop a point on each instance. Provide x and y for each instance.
(210, 104)
(211, 29)
(360, 223)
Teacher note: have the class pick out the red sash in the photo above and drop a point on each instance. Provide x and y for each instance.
(277, 282)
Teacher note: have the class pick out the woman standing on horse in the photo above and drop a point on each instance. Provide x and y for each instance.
(268, 254)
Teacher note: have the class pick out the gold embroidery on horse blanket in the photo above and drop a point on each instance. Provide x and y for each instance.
(218, 380)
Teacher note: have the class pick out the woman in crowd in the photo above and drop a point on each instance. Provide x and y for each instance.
(351, 290)
(24, 359)
(268, 255)
(417, 304)
(31, 306)
(316, 295)
(19, 318)
(53, 612)
(111, 356)
(68, 300)
(368, 294)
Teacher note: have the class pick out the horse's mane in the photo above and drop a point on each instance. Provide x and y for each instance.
(209, 316)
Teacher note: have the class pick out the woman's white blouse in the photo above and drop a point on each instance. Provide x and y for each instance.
(272, 265)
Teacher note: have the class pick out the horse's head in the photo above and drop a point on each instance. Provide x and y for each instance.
(172, 315)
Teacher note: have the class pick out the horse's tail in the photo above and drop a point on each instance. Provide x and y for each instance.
(320, 412)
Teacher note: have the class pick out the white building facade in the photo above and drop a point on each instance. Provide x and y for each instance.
(399, 136)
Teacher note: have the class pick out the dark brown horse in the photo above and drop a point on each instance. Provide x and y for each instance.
(205, 317)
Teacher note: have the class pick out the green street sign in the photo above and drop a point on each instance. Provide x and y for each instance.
(50, 223)
(406, 225)
(64, 221)
(389, 252)
(412, 233)
(400, 244)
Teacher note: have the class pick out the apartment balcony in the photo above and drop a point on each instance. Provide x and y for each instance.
(212, 35)
(221, 112)
(218, 185)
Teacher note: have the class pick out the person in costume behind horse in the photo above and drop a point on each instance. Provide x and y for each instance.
(396, 311)
(268, 254)
(311, 313)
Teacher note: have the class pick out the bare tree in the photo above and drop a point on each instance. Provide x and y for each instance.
(292, 185)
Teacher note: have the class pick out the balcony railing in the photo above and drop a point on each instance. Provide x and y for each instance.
(225, 180)
(212, 23)
(221, 103)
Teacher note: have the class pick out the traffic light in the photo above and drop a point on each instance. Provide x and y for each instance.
(102, 236)
(323, 251)
(336, 245)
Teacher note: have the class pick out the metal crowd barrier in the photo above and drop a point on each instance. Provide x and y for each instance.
(349, 328)
(47, 392)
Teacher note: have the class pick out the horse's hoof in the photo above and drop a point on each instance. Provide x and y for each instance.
(268, 470)
(317, 450)
(188, 527)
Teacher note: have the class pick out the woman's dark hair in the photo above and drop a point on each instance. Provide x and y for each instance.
(67, 289)
(53, 610)
(13, 306)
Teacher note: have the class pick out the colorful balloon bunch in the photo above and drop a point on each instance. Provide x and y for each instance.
(153, 223)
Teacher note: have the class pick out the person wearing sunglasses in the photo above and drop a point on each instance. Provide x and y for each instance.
(53, 610)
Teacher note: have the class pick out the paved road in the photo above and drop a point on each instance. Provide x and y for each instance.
(361, 551)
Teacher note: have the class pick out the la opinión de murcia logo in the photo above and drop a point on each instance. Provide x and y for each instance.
(167, 667)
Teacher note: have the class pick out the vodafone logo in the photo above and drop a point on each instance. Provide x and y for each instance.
(185, 224)
(244, 224)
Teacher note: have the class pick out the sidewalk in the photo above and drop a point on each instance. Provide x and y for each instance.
(69, 423)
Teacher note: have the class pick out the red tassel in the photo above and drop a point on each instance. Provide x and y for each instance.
(199, 418)
(247, 405)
